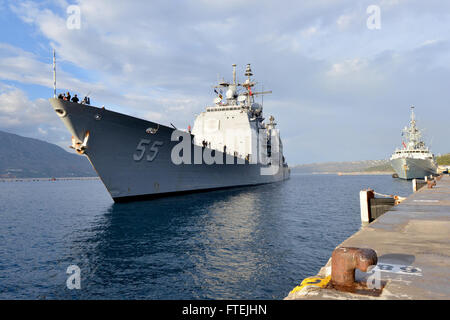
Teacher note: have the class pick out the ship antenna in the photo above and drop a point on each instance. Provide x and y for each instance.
(234, 74)
(262, 97)
(248, 83)
(248, 72)
(54, 74)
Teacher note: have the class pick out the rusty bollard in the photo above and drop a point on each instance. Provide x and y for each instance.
(345, 260)
(431, 183)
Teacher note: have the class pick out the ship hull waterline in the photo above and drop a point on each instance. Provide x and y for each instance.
(408, 168)
(134, 164)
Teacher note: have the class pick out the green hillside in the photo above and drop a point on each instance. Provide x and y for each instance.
(335, 167)
(385, 167)
(444, 160)
(22, 157)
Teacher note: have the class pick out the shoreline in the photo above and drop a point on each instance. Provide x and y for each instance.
(352, 173)
(46, 179)
(361, 173)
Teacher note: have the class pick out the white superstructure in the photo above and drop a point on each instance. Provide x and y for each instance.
(234, 125)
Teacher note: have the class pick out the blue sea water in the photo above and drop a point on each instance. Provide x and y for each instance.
(244, 243)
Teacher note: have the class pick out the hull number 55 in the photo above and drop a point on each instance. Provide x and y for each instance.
(142, 147)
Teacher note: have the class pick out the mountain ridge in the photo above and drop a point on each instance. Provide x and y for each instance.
(23, 157)
(342, 166)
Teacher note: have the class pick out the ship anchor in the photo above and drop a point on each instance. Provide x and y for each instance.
(152, 130)
(80, 147)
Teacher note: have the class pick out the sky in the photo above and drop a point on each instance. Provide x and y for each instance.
(343, 77)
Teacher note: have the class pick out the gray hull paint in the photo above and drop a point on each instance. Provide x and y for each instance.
(417, 168)
(113, 140)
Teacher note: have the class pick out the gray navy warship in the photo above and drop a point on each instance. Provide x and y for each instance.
(414, 160)
(230, 145)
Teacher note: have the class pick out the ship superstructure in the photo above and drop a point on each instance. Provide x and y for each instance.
(414, 160)
(229, 145)
(235, 125)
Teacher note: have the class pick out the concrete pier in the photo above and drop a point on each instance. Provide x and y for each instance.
(412, 242)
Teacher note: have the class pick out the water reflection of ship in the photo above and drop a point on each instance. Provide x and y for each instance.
(205, 240)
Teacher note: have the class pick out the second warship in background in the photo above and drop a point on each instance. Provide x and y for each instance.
(139, 159)
(414, 160)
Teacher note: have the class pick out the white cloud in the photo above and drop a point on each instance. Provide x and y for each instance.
(31, 118)
(310, 31)
(429, 42)
(17, 108)
(391, 2)
(19, 65)
(347, 67)
(42, 131)
(158, 61)
(344, 21)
